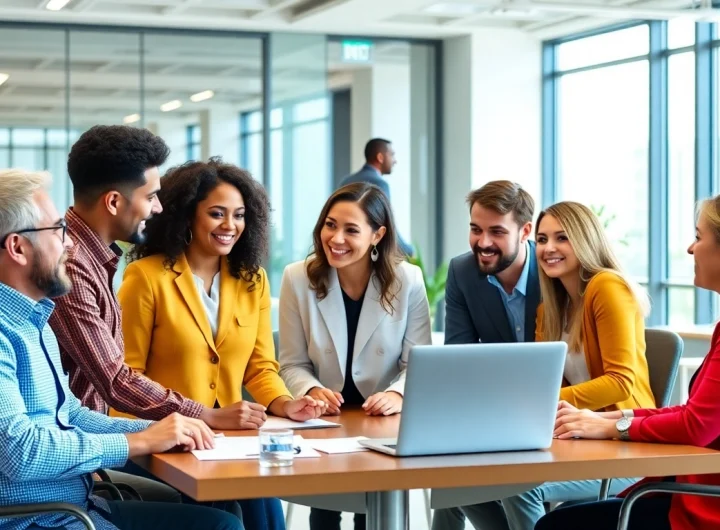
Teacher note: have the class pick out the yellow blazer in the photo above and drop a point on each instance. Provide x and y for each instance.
(613, 337)
(168, 336)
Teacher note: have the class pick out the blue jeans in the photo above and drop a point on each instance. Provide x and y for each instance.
(523, 511)
(256, 514)
(135, 515)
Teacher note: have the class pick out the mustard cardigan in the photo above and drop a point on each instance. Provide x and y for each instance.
(168, 336)
(613, 338)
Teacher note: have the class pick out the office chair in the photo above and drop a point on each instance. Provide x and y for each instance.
(663, 350)
(25, 510)
(662, 487)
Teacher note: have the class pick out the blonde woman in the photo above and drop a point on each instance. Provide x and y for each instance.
(589, 303)
(695, 423)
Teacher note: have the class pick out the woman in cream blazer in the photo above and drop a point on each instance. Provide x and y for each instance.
(350, 313)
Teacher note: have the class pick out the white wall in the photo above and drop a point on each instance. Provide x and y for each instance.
(492, 120)
(380, 107)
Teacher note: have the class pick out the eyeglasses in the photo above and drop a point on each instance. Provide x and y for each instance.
(62, 225)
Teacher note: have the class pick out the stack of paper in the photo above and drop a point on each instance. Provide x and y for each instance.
(246, 448)
(273, 422)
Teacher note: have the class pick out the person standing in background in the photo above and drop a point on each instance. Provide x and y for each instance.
(379, 161)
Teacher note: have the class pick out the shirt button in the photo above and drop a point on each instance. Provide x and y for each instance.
(212, 386)
(381, 351)
(328, 351)
(517, 328)
(214, 359)
(356, 373)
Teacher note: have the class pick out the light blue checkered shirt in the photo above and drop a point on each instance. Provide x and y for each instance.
(49, 443)
(515, 302)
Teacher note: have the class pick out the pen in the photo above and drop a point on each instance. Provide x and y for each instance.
(296, 450)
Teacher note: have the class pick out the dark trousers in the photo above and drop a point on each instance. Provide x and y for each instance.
(648, 513)
(330, 520)
(256, 514)
(136, 515)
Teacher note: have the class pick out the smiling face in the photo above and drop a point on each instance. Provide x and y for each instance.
(219, 221)
(134, 211)
(705, 251)
(347, 237)
(495, 238)
(553, 249)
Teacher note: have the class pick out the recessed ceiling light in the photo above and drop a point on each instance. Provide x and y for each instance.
(171, 105)
(131, 118)
(4, 77)
(452, 9)
(56, 5)
(202, 96)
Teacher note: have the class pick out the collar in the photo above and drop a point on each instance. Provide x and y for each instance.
(96, 247)
(521, 285)
(373, 168)
(17, 307)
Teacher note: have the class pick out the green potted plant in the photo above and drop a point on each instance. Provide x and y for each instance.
(434, 283)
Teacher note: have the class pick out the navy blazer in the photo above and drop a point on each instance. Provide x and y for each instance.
(370, 175)
(474, 310)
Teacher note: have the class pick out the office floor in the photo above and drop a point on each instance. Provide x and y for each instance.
(418, 521)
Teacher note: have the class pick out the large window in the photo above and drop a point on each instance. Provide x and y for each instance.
(603, 153)
(300, 173)
(626, 110)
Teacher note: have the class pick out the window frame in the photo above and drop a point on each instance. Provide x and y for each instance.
(707, 61)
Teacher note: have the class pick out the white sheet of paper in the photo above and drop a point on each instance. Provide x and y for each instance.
(274, 422)
(246, 448)
(333, 446)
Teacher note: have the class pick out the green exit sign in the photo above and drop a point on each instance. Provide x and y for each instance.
(357, 51)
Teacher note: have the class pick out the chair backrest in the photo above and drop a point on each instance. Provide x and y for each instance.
(276, 341)
(663, 351)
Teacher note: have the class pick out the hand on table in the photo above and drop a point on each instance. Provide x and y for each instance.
(583, 424)
(304, 408)
(334, 400)
(173, 431)
(383, 404)
(240, 415)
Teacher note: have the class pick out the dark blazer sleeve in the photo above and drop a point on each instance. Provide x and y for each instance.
(459, 327)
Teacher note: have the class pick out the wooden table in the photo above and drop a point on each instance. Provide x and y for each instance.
(387, 479)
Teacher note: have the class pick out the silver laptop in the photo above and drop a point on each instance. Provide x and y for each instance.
(478, 398)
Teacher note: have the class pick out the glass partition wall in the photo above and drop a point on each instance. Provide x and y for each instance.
(293, 109)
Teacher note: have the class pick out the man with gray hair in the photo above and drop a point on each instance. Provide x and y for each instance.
(49, 443)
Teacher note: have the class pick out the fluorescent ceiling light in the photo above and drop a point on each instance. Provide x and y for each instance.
(4, 77)
(202, 96)
(131, 118)
(171, 105)
(452, 9)
(56, 5)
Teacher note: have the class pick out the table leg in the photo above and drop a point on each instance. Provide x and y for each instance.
(388, 510)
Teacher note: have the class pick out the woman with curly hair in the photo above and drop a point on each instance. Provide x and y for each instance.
(196, 305)
(350, 313)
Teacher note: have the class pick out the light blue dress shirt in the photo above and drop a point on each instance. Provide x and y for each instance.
(49, 443)
(515, 302)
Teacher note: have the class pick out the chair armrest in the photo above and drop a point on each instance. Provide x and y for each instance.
(111, 488)
(25, 510)
(662, 487)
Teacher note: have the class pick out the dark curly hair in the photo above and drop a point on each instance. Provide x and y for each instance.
(183, 187)
(107, 157)
(373, 201)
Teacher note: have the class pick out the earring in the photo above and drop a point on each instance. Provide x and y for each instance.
(188, 237)
(374, 254)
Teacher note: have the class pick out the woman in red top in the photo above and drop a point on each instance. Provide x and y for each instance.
(696, 423)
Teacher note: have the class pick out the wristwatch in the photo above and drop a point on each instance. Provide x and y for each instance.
(623, 428)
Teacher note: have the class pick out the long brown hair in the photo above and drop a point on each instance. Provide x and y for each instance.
(374, 203)
(594, 253)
